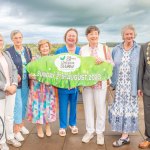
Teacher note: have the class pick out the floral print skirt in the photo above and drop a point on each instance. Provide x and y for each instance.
(42, 105)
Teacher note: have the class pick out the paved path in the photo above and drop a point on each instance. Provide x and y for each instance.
(73, 142)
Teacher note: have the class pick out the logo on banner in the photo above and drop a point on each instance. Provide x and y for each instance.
(67, 63)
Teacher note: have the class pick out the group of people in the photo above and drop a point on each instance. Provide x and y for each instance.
(22, 96)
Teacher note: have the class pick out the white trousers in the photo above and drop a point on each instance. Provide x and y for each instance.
(7, 114)
(94, 98)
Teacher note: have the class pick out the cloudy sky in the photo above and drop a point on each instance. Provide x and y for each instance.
(49, 19)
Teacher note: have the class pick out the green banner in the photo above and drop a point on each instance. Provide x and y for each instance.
(69, 70)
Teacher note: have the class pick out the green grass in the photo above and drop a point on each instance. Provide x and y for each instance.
(54, 47)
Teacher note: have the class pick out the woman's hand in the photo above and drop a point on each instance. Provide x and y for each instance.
(71, 88)
(98, 60)
(140, 93)
(47, 84)
(10, 90)
(31, 76)
(19, 78)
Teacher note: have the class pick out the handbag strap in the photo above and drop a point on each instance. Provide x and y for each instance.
(28, 52)
(104, 49)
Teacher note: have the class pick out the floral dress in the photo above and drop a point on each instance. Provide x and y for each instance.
(42, 104)
(123, 114)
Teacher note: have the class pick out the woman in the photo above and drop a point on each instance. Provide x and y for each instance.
(94, 96)
(68, 95)
(8, 86)
(42, 108)
(123, 114)
(21, 56)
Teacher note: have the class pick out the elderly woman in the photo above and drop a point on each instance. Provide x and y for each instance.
(123, 114)
(8, 86)
(42, 108)
(21, 56)
(94, 96)
(68, 95)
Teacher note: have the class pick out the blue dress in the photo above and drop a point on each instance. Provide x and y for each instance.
(123, 114)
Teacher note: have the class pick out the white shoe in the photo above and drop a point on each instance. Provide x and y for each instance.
(24, 130)
(14, 142)
(100, 139)
(19, 137)
(87, 137)
(4, 146)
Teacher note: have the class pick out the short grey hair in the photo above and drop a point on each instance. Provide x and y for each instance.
(14, 32)
(131, 27)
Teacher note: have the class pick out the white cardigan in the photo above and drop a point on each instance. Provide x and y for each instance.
(86, 51)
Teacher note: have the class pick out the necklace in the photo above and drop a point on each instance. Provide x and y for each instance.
(128, 47)
(148, 53)
(18, 49)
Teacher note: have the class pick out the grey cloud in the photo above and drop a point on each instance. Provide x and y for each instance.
(109, 15)
(66, 12)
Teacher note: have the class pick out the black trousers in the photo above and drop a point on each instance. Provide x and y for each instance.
(146, 101)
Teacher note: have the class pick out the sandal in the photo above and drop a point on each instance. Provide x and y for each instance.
(48, 130)
(74, 129)
(121, 142)
(62, 132)
(40, 132)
